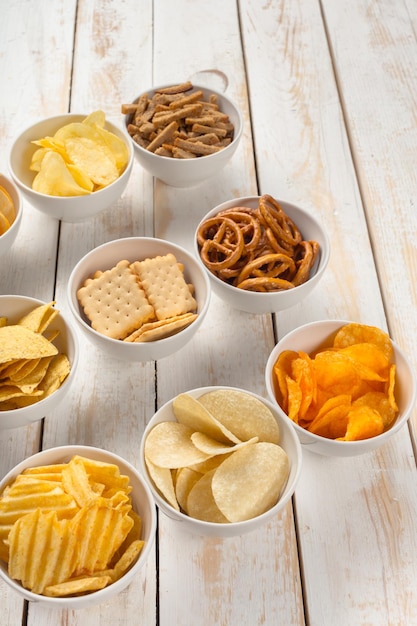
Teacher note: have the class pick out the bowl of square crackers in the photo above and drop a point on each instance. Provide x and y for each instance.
(139, 298)
(183, 133)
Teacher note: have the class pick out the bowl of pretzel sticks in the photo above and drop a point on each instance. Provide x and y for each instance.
(183, 134)
(138, 298)
(261, 254)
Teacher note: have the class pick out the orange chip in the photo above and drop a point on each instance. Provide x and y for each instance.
(345, 391)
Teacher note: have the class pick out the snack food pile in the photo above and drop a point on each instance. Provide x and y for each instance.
(258, 249)
(31, 368)
(344, 392)
(140, 301)
(70, 528)
(220, 461)
(7, 210)
(178, 122)
(82, 157)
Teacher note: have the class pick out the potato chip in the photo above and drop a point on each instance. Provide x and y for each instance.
(192, 413)
(345, 391)
(59, 534)
(201, 503)
(162, 478)
(185, 481)
(169, 445)
(242, 414)
(250, 481)
(212, 447)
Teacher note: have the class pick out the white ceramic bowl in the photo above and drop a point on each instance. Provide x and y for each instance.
(288, 441)
(67, 209)
(191, 172)
(143, 504)
(308, 338)
(15, 307)
(270, 302)
(7, 239)
(137, 248)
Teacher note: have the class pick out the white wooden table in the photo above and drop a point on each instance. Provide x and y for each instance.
(328, 91)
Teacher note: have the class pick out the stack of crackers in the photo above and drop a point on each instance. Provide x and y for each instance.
(140, 301)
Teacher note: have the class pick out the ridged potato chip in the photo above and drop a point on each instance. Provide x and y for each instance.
(59, 533)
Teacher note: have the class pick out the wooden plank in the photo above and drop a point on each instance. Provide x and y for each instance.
(29, 91)
(208, 578)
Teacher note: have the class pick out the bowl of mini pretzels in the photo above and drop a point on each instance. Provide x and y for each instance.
(139, 298)
(183, 133)
(262, 254)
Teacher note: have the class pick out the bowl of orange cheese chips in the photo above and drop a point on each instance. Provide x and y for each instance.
(76, 525)
(345, 387)
(72, 166)
(38, 359)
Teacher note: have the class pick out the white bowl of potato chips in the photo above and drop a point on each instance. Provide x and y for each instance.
(346, 387)
(86, 533)
(139, 298)
(221, 461)
(38, 359)
(189, 141)
(10, 213)
(262, 255)
(72, 166)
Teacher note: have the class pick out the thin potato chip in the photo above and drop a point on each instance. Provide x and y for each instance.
(242, 414)
(201, 503)
(192, 413)
(169, 445)
(250, 481)
(162, 478)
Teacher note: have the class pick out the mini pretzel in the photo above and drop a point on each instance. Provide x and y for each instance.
(268, 266)
(221, 242)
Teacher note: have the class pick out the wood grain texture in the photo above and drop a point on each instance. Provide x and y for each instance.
(327, 93)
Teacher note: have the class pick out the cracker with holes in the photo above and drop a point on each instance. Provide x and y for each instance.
(163, 281)
(114, 301)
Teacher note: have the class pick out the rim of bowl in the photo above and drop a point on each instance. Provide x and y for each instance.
(28, 409)
(75, 310)
(360, 443)
(69, 116)
(201, 524)
(5, 181)
(321, 263)
(118, 585)
(237, 132)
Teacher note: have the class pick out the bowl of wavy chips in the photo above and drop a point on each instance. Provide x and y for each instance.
(262, 254)
(38, 359)
(77, 523)
(346, 387)
(183, 133)
(139, 298)
(72, 166)
(10, 213)
(220, 460)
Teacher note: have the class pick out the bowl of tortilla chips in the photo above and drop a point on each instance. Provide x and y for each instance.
(38, 359)
(72, 166)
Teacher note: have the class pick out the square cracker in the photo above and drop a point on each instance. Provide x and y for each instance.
(163, 280)
(114, 302)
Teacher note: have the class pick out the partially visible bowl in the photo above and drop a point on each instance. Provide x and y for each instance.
(288, 441)
(14, 307)
(191, 172)
(272, 301)
(132, 249)
(7, 238)
(142, 502)
(308, 338)
(67, 209)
